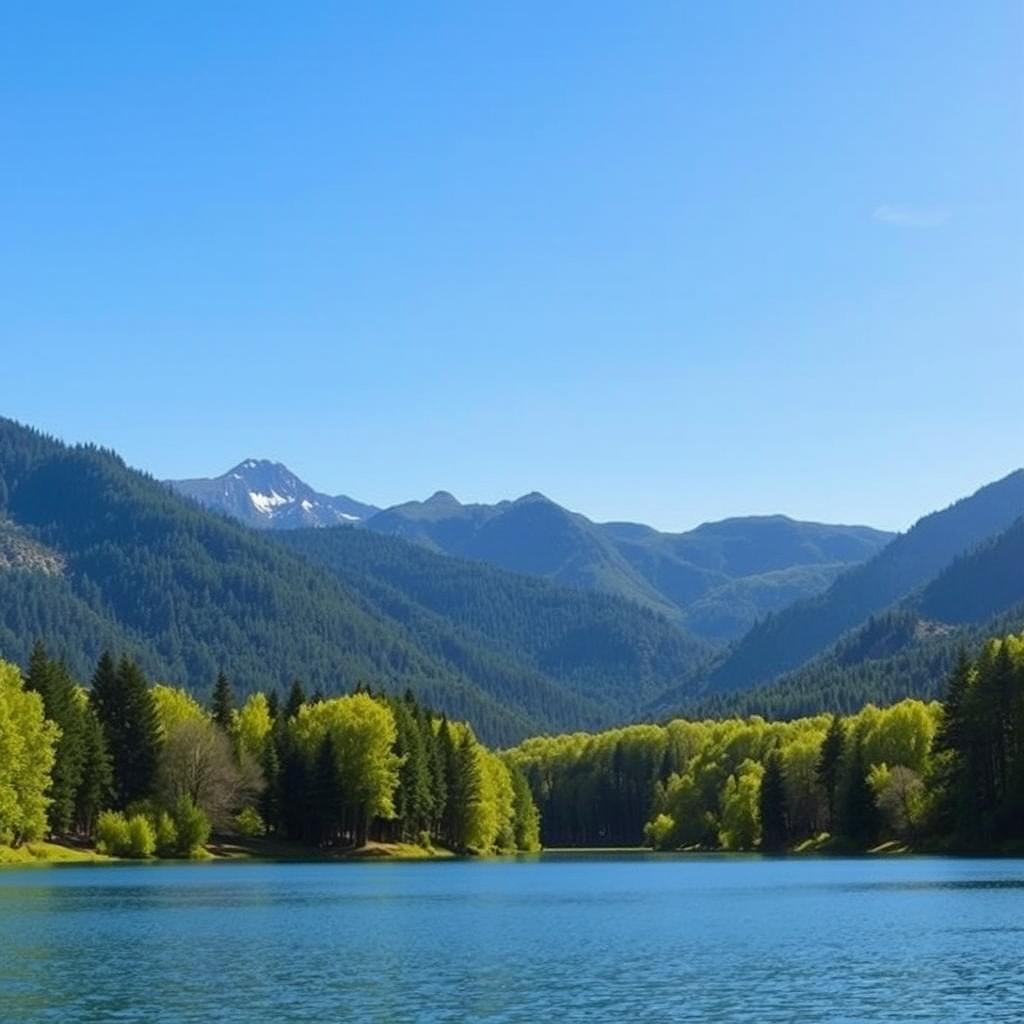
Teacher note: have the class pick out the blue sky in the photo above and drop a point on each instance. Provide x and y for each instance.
(662, 262)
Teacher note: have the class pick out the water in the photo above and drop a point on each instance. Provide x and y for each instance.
(552, 938)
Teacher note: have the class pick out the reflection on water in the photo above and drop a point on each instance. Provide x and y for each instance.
(572, 938)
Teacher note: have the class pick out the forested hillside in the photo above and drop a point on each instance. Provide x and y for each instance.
(904, 652)
(785, 640)
(99, 556)
(716, 580)
(609, 652)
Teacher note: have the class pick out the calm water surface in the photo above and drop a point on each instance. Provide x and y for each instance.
(552, 938)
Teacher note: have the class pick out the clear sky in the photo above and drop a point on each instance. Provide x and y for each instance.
(664, 262)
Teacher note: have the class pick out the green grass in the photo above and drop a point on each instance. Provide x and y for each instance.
(49, 853)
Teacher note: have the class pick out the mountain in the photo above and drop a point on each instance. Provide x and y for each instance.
(716, 580)
(966, 557)
(95, 555)
(604, 650)
(268, 495)
(724, 576)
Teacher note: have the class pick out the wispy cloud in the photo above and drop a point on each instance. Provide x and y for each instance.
(902, 216)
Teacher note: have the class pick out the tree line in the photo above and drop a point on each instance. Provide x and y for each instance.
(144, 769)
(934, 774)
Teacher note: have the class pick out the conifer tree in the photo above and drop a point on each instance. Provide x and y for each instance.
(436, 768)
(465, 791)
(296, 698)
(270, 799)
(51, 680)
(222, 704)
(859, 818)
(131, 729)
(447, 756)
(829, 763)
(772, 805)
(327, 806)
(96, 788)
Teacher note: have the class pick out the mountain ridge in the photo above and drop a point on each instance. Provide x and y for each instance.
(715, 580)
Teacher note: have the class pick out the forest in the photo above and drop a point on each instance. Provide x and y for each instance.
(939, 775)
(143, 770)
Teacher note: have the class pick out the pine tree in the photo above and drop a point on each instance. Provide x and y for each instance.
(126, 711)
(447, 755)
(61, 705)
(772, 803)
(437, 776)
(95, 792)
(273, 705)
(956, 804)
(270, 799)
(829, 763)
(466, 791)
(413, 796)
(326, 807)
(859, 818)
(296, 698)
(222, 705)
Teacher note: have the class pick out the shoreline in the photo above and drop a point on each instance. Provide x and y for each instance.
(234, 848)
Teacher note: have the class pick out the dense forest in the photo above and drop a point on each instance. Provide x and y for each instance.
(947, 774)
(781, 642)
(98, 556)
(145, 769)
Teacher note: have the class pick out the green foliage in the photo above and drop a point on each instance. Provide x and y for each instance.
(222, 704)
(165, 834)
(61, 706)
(192, 826)
(980, 746)
(141, 837)
(249, 822)
(112, 835)
(772, 809)
(125, 708)
(27, 756)
(734, 784)
(131, 837)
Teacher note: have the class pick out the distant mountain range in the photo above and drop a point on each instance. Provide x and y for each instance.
(716, 580)
(784, 641)
(522, 617)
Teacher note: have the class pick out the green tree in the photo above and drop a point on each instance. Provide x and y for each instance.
(96, 788)
(27, 752)
(51, 680)
(222, 704)
(131, 728)
(773, 811)
(829, 764)
(859, 819)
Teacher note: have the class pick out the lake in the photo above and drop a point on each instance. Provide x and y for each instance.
(559, 937)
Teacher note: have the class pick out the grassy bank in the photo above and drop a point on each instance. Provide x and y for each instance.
(264, 848)
(49, 853)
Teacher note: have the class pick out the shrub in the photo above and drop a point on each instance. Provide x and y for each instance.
(660, 832)
(249, 822)
(112, 834)
(141, 837)
(166, 835)
(193, 827)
